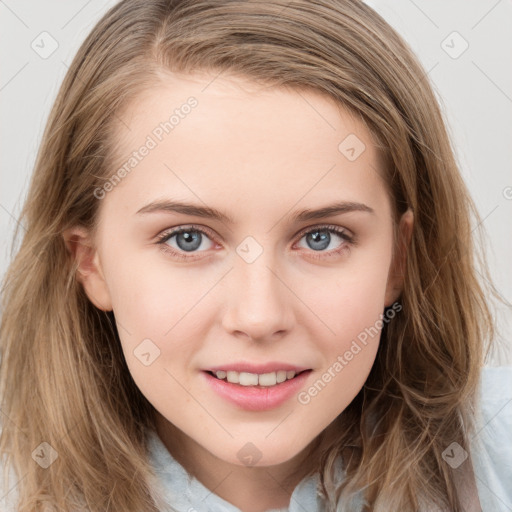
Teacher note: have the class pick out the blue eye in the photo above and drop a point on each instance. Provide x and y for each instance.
(192, 238)
(188, 239)
(320, 238)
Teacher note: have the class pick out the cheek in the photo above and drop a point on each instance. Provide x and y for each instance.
(349, 353)
(350, 308)
(351, 298)
(156, 310)
(150, 297)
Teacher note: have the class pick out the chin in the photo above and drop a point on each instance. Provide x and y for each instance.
(258, 455)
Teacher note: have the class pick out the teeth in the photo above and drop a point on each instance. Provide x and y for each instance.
(233, 377)
(281, 376)
(267, 379)
(254, 379)
(248, 379)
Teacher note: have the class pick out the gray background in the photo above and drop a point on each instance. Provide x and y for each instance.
(473, 85)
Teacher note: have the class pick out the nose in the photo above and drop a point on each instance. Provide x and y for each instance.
(260, 302)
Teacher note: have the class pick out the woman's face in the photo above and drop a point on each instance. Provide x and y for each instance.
(285, 261)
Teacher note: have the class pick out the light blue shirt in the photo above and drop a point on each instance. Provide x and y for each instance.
(492, 445)
(186, 494)
(491, 450)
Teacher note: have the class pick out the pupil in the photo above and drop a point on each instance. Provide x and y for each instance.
(320, 238)
(188, 242)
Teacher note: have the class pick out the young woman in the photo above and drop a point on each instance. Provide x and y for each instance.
(247, 278)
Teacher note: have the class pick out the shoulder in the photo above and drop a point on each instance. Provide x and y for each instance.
(8, 487)
(9, 481)
(491, 445)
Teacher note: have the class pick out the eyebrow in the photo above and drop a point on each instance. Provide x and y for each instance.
(171, 206)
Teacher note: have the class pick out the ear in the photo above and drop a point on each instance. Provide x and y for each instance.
(397, 268)
(89, 272)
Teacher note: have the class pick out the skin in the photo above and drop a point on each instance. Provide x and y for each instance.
(259, 154)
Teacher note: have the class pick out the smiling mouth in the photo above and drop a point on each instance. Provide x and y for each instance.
(245, 379)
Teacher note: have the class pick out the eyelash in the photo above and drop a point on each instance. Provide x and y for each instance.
(341, 232)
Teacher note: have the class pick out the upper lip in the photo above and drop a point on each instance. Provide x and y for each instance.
(257, 368)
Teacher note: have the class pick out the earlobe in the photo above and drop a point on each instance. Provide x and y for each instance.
(89, 271)
(397, 269)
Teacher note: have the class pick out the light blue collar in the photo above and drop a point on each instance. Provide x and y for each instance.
(185, 493)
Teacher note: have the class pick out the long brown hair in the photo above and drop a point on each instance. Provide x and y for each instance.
(64, 380)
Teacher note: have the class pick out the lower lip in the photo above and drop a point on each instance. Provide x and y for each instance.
(252, 398)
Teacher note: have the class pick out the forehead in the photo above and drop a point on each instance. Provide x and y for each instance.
(211, 136)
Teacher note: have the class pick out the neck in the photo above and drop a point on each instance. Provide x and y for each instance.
(250, 488)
